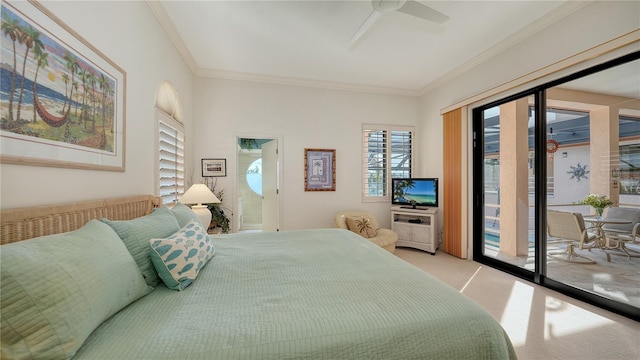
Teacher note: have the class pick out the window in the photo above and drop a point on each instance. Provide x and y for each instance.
(170, 158)
(387, 153)
(254, 176)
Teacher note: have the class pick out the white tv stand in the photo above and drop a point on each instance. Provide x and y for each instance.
(416, 228)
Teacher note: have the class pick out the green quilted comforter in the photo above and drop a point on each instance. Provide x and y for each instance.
(310, 294)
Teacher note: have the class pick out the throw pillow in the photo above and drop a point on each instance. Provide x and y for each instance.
(183, 214)
(136, 234)
(56, 290)
(361, 226)
(179, 258)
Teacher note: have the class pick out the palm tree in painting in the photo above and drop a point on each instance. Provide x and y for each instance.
(29, 37)
(72, 66)
(76, 86)
(41, 59)
(111, 106)
(10, 29)
(84, 77)
(105, 87)
(317, 166)
(92, 82)
(65, 78)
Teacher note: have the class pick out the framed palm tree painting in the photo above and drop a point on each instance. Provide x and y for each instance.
(63, 101)
(319, 170)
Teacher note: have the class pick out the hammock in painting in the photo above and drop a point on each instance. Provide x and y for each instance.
(51, 120)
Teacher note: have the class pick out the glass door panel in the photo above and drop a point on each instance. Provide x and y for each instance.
(508, 182)
(538, 161)
(596, 124)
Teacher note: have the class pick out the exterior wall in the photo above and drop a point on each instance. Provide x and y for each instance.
(130, 36)
(566, 189)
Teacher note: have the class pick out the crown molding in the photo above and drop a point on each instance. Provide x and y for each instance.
(560, 13)
(161, 15)
(165, 22)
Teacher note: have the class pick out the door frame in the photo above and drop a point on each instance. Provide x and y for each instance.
(279, 202)
(538, 276)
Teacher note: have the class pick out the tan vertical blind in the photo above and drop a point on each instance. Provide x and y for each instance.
(452, 207)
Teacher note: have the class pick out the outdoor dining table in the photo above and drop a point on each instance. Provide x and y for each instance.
(601, 238)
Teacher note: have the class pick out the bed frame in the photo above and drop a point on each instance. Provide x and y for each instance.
(29, 222)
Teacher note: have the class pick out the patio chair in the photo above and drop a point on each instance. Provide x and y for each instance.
(569, 228)
(618, 236)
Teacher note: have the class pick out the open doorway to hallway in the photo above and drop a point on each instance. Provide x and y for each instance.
(257, 184)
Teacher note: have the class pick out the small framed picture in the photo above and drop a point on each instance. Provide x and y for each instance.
(319, 170)
(214, 167)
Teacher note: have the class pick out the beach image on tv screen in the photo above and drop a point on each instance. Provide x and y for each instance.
(418, 191)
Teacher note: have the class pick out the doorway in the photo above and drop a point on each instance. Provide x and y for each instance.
(258, 184)
(538, 155)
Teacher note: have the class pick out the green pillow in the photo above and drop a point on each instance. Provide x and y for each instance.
(55, 290)
(179, 258)
(136, 234)
(183, 214)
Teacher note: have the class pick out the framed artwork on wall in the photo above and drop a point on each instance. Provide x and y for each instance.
(214, 167)
(319, 170)
(65, 100)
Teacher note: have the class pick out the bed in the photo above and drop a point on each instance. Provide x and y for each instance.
(304, 294)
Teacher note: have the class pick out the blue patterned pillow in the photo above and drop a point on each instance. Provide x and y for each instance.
(179, 258)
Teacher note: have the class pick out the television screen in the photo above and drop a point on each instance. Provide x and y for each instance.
(415, 192)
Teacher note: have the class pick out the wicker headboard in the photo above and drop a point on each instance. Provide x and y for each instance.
(29, 222)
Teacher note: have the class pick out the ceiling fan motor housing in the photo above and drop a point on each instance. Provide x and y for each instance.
(387, 5)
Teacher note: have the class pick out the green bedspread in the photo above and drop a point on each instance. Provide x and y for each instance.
(310, 294)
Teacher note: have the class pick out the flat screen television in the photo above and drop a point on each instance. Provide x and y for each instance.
(415, 192)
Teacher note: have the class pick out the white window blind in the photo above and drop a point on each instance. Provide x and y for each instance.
(387, 153)
(171, 159)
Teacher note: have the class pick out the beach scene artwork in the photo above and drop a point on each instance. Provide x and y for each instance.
(410, 191)
(49, 92)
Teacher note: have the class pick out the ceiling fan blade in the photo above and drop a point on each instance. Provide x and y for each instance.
(366, 25)
(417, 9)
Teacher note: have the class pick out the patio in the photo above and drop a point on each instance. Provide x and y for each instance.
(617, 280)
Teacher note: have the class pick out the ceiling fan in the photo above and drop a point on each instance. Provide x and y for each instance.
(409, 7)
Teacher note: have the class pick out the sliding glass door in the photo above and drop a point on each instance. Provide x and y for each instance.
(537, 156)
(508, 155)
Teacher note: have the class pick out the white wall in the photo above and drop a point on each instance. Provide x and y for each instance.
(130, 36)
(592, 25)
(304, 118)
(568, 190)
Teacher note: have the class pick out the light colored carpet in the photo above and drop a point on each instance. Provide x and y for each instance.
(541, 323)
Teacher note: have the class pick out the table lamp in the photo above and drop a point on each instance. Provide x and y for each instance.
(199, 194)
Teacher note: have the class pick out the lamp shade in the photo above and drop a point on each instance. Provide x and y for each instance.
(199, 194)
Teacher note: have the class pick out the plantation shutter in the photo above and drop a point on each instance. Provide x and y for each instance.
(171, 159)
(401, 153)
(387, 153)
(374, 160)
